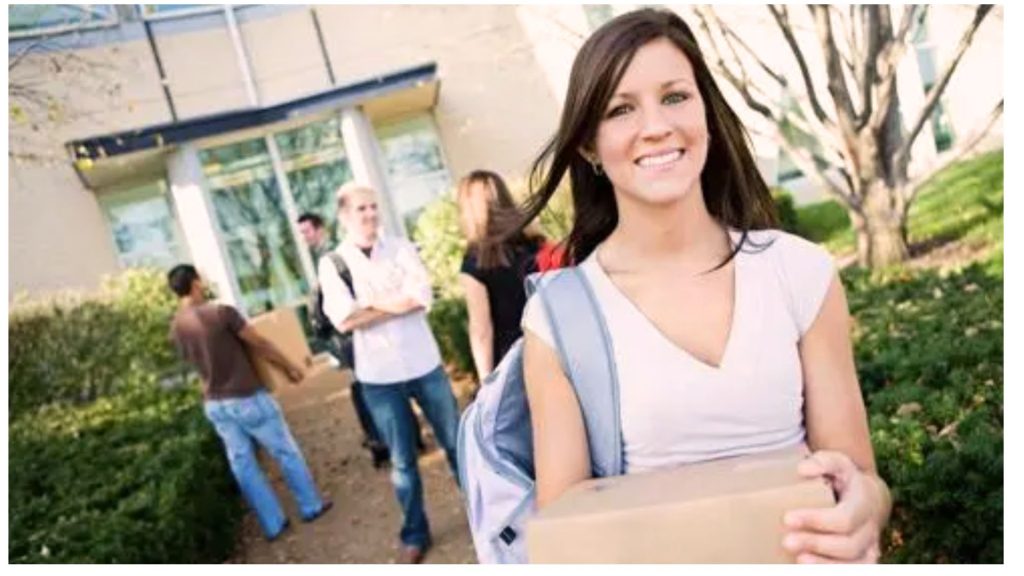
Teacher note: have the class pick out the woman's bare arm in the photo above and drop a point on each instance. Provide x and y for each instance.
(560, 451)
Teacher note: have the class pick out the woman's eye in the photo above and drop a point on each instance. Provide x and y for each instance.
(676, 98)
(618, 111)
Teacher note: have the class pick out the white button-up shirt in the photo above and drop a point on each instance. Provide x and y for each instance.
(393, 350)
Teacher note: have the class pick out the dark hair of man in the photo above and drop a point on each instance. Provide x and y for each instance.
(180, 279)
(314, 219)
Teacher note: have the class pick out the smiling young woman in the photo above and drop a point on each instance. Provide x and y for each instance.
(730, 337)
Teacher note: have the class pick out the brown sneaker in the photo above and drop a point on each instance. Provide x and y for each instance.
(411, 555)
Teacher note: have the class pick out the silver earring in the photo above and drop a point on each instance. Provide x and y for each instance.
(597, 168)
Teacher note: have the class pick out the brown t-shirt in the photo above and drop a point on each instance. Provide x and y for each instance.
(207, 337)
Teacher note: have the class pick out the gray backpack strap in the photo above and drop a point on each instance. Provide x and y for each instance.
(585, 348)
(343, 270)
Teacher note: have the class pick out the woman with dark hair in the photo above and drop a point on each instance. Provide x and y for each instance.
(493, 272)
(730, 337)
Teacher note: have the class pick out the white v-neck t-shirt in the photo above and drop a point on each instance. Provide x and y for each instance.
(676, 409)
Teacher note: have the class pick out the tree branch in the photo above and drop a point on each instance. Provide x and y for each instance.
(867, 70)
(728, 33)
(850, 56)
(718, 64)
(932, 99)
(782, 19)
(811, 168)
(742, 83)
(837, 87)
(962, 150)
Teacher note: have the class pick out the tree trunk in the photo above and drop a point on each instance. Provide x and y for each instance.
(880, 237)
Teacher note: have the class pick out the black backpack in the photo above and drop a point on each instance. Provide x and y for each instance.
(322, 326)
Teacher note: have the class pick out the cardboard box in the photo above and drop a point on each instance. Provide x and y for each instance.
(281, 327)
(724, 511)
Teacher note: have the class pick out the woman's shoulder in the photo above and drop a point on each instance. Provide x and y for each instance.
(784, 248)
(803, 269)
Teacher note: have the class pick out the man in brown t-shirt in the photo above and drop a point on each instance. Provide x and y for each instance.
(213, 338)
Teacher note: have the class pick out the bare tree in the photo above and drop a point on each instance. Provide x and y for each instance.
(850, 139)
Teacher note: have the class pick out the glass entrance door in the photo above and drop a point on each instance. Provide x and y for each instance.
(314, 160)
(253, 225)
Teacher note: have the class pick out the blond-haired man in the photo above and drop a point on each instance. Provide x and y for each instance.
(397, 357)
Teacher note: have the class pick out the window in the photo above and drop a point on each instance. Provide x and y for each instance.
(36, 19)
(597, 14)
(314, 159)
(416, 170)
(253, 225)
(942, 129)
(788, 169)
(144, 230)
(160, 11)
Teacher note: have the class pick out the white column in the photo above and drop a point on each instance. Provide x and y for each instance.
(291, 211)
(197, 218)
(367, 164)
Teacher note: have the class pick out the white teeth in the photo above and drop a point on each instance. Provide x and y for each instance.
(660, 159)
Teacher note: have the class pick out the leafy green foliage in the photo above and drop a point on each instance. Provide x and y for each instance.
(963, 202)
(136, 478)
(75, 348)
(442, 245)
(785, 209)
(929, 352)
(106, 465)
(449, 321)
(827, 223)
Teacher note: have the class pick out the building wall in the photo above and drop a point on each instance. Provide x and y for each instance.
(284, 53)
(495, 106)
(58, 237)
(977, 85)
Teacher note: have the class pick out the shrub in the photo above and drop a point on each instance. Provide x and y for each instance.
(929, 352)
(450, 323)
(441, 245)
(136, 478)
(785, 208)
(75, 348)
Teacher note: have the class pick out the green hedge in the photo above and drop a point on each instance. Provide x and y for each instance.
(785, 209)
(136, 478)
(75, 348)
(107, 462)
(449, 321)
(929, 353)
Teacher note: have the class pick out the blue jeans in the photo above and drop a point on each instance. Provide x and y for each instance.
(392, 413)
(238, 422)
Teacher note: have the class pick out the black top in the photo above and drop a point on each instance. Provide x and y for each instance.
(506, 292)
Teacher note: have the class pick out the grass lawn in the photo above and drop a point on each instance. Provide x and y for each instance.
(964, 202)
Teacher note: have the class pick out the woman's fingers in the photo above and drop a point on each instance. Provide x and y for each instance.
(838, 547)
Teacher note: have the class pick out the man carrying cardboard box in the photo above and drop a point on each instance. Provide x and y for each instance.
(213, 338)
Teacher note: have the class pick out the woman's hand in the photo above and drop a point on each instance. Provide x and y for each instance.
(848, 531)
